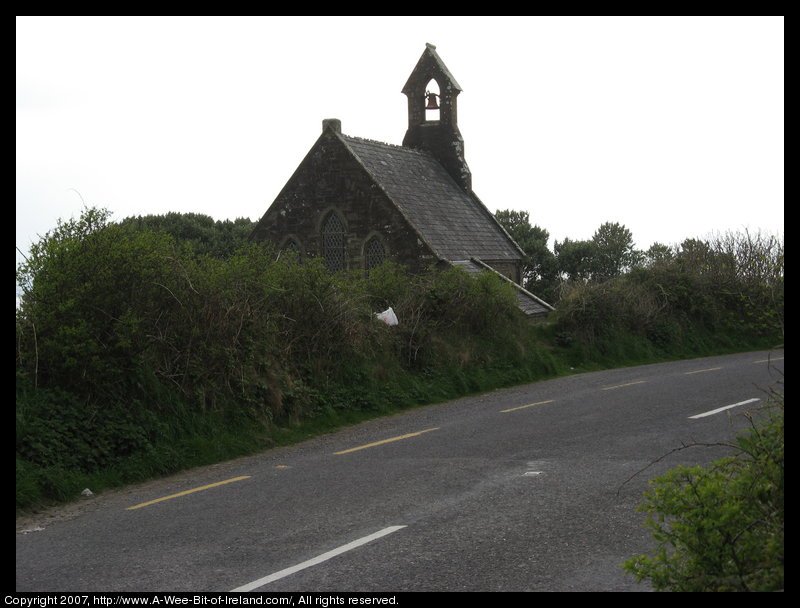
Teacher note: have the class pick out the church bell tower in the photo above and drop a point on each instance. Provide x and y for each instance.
(432, 115)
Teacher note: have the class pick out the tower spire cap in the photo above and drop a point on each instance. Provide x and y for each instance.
(430, 65)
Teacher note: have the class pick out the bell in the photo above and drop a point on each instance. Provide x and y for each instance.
(432, 105)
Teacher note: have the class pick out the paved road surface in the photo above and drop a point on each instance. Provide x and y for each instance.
(532, 488)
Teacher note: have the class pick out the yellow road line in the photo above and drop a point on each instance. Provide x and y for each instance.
(700, 371)
(522, 407)
(184, 493)
(372, 445)
(769, 360)
(609, 388)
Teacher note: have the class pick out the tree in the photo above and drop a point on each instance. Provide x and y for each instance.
(657, 253)
(614, 253)
(539, 271)
(575, 259)
(609, 253)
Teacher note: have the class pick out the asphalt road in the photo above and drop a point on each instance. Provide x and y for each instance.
(532, 488)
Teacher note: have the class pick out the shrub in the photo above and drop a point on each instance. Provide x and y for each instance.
(702, 297)
(720, 528)
(55, 429)
(135, 347)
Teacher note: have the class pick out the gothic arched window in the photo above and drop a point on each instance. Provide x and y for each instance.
(374, 253)
(333, 241)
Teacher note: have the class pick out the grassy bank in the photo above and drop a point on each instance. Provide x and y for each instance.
(139, 355)
(69, 453)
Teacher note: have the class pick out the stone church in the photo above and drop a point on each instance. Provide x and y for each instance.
(356, 202)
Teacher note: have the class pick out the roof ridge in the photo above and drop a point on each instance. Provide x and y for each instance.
(383, 143)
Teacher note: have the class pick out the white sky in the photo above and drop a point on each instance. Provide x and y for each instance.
(672, 126)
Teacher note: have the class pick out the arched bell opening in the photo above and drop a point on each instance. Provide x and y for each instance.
(432, 101)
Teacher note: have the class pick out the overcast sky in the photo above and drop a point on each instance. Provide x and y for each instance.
(672, 126)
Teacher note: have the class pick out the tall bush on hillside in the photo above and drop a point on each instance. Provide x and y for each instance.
(89, 289)
(203, 234)
(606, 310)
(725, 289)
(444, 304)
(108, 309)
(91, 293)
(754, 284)
(127, 336)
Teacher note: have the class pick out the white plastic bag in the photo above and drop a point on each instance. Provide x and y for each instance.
(387, 316)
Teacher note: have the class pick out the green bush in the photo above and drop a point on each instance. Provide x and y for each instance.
(155, 343)
(720, 528)
(676, 307)
(133, 347)
(54, 429)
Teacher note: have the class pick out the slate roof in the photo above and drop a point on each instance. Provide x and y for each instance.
(454, 223)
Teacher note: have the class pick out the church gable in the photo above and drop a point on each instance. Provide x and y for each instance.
(333, 208)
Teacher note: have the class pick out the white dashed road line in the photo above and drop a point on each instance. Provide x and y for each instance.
(722, 409)
(317, 560)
